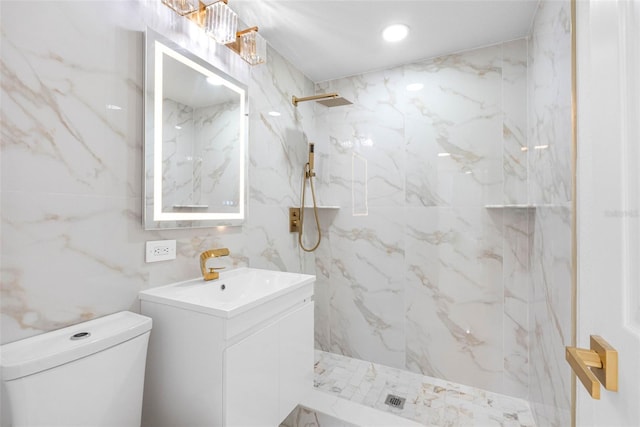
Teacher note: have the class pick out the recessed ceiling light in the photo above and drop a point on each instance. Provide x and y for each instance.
(395, 33)
(274, 114)
(444, 154)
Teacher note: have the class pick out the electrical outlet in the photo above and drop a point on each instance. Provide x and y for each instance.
(161, 250)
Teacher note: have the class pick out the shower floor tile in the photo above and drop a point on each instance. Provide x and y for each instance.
(429, 401)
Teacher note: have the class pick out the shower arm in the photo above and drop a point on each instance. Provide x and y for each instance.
(295, 100)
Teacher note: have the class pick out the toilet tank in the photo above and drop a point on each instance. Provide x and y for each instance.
(89, 374)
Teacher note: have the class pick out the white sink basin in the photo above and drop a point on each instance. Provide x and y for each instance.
(235, 292)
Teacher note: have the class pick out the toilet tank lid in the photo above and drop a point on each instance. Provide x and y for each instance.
(45, 351)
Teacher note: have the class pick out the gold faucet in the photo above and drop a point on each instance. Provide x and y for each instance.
(211, 273)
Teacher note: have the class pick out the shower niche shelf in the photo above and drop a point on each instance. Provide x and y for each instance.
(510, 206)
(323, 207)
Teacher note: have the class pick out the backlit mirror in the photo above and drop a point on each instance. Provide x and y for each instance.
(195, 140)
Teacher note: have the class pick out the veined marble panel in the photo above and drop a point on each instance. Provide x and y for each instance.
(69, 110)
(550, 104)
(429, 177)
(458, 114)
(318, 263)
(379, 147)
(367, 295)
(201, 149)
(270, 244)
(454, 303)
(177, 155)
(58, 268)
(550, 318)
(549, 140)
(278, 145)
(215, 158)
(518, 239)
(377, 92)
(373, 129)
(514, 126)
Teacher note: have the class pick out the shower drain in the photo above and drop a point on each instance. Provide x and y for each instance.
(394, 401)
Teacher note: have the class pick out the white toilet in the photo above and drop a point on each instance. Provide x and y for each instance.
(89, 374)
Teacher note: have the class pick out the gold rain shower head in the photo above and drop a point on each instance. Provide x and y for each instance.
(326, 99)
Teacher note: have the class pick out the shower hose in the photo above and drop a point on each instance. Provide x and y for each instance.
(308, 174)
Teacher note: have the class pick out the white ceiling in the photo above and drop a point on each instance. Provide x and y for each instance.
(328, 39)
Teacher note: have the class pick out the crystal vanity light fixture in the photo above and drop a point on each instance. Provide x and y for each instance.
(253, 47)
(182, 7)
(221, 24)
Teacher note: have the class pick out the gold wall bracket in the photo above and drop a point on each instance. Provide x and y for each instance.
(295, 100)
(235, 45)
(595, 366)
(198, 16)
(294, 220)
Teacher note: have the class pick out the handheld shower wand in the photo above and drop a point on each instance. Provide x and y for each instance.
(309, 173)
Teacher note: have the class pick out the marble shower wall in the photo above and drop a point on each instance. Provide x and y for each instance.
(550, 178)
(72, 245)
(418, 273)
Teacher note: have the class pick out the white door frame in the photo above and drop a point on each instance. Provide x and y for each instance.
(608, 183)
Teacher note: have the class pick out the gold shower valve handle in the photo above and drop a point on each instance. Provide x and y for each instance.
(595, 366)
(294, 220)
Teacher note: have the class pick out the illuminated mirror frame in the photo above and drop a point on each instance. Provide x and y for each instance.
(157, 47)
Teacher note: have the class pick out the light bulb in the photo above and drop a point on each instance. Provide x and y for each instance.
(395, 33)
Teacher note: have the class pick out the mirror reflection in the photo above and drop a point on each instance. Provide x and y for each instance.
(195, 140)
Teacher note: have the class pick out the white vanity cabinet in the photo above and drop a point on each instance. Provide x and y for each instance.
(271, 368)
(246, 368)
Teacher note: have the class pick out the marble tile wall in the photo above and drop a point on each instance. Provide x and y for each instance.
(200, 145)
(420, 274)
(413, 271)
(72, 245)
(178, 162)
(549, 95)
(214, 177)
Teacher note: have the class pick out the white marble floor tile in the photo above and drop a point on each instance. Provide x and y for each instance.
(429, 401)
(320, 409)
